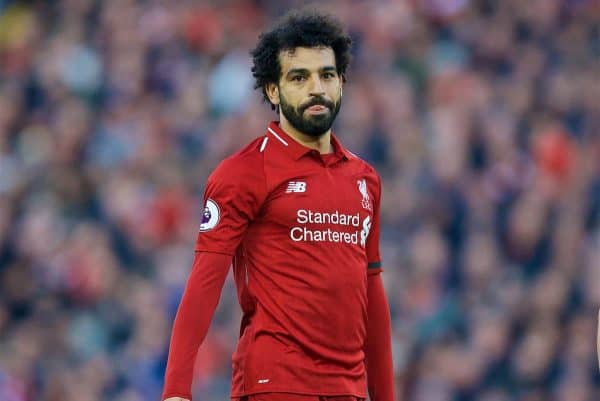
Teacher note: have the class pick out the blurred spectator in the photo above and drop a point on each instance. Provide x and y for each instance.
(481, 115)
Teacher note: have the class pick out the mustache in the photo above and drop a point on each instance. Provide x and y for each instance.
(317, 101)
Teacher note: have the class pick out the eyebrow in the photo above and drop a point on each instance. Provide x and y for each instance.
(305, 71)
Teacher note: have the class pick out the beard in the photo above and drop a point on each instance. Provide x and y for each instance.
(312, 125)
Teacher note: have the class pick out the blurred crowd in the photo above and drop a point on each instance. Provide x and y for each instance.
(482, 116)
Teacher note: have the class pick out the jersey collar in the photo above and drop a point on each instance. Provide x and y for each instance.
(297, 150)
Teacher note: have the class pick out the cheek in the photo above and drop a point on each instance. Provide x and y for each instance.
(291, 97)
(334, 92)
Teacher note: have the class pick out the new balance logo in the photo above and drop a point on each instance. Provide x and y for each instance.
(295, 186)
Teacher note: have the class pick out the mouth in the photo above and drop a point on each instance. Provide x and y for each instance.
(317, 109)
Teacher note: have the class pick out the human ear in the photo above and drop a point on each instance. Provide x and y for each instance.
(272, 91)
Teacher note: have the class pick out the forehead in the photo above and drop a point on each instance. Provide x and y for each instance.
(311, 58)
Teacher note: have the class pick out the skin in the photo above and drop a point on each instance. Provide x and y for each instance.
(306, 73)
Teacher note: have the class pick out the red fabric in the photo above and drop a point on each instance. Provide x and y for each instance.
(305, 237)
(195, 312)
(303, 234)
(378, 349)
(295, 397)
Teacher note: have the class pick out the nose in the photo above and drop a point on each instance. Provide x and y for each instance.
(317, 87)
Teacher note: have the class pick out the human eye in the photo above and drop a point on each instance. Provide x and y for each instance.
(298, 78)
(328, 75)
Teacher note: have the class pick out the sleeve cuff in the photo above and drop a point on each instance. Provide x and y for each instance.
(374, 268)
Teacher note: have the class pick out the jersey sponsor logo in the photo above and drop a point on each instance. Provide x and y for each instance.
(296, 186)
(350, 230)
(210, 215)
(364, 233)
(366, 201)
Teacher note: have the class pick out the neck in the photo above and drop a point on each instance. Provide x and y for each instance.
(321, 143)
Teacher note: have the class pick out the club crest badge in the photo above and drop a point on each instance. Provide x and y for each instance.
(366, 200)
(210, 216)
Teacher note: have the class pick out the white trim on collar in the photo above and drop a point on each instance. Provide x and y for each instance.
(263, 145)
(277, 136)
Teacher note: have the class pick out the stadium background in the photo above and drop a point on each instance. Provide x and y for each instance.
(483, 118)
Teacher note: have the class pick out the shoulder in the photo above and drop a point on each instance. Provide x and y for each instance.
(368, 175)
(241, 174)
(363, 167)
(242, 165)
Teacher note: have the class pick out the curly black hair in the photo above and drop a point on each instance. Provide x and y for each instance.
(305, 28)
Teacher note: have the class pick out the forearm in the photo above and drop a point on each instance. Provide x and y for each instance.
(193, 318)
(378, 348)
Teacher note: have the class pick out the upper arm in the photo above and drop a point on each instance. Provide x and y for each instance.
(373, 249)
(232, 199)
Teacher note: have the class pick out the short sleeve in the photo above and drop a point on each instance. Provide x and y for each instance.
(233, 197)
(373, 253)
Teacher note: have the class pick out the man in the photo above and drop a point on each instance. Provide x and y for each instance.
(298, 216)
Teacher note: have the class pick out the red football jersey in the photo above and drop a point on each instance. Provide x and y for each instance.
(304, 233)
